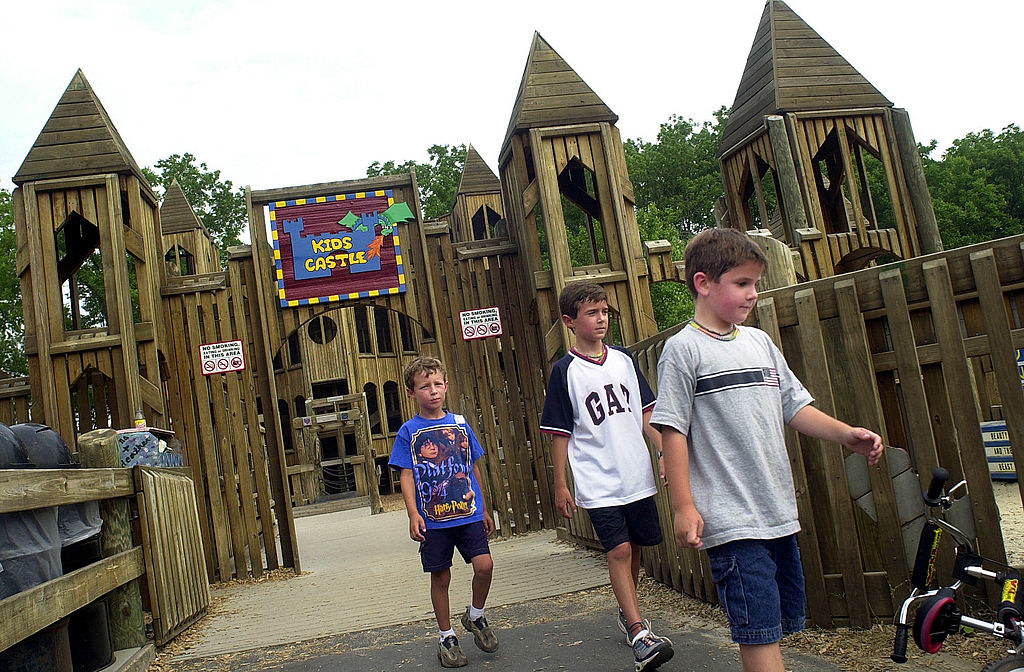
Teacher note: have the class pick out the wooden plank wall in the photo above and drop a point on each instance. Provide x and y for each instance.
(15, 400)
(497, 383)
(179, 591)
(895, 348)
(215, 418)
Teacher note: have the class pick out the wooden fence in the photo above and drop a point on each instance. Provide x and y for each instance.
(15, 400)
(169, 557)
(921, 350)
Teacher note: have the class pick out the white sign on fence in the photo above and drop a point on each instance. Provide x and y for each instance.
(221, 357)
(480, 323)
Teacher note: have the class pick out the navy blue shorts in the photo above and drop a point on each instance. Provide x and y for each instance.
(438, 548)
(761, 587)
(636, 522)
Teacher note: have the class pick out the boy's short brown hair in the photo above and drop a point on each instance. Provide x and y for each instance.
(579, 292)
(715, 252)
(427, 365)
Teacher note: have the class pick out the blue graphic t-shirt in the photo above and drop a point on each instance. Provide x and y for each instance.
(441, 454)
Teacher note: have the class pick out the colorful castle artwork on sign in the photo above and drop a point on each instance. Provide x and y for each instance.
(332, 248)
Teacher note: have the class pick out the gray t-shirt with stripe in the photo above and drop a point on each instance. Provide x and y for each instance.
(731, 398)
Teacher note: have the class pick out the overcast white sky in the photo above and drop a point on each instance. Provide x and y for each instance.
(287, 93)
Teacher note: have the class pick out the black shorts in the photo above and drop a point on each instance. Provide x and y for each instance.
(636, 522)
(438, 547)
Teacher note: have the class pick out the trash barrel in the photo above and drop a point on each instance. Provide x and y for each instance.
(79, 530)
(30, 555)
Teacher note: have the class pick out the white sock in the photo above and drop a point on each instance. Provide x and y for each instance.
(475, 613)
(450, 632)
(639, 635)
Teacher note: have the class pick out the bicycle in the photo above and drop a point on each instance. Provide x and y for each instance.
(938, 616)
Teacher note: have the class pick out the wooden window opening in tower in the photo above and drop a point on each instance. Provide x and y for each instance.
(843, 160)
(570, 200)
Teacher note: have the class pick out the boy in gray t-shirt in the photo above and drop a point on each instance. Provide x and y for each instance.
(724, 394)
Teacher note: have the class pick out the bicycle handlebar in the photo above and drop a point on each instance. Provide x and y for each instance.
(933, 495)
(899, 645)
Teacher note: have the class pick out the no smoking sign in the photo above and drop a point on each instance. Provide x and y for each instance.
(221, 357)
(480, 323)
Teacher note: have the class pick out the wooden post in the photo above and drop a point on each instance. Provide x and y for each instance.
(100, 449)
(920, 199)
(366, 450)
(789, 183)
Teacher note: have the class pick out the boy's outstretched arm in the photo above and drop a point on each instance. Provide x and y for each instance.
(416, 525)
(689, 525)
(488, 521)
(564, 503)
(809, 420)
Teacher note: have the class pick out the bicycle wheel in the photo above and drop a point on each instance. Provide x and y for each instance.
(1008, 664)
(932, 624)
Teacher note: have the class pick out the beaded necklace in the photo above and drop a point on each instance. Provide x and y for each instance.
(717, 335)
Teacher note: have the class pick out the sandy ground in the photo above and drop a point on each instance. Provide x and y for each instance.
(1011, 516)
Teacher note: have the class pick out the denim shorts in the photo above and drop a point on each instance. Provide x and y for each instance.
(637, 522)
(438, 546)
(761, 587)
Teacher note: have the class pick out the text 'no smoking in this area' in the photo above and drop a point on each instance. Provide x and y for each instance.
(221, 357)
(480, 323)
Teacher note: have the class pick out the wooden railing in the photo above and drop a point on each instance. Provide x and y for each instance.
(169, 557)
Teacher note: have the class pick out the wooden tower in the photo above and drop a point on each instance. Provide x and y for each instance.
(88, 229)
(818, 157)
(478, 213)
(570, 201)
(188, 247)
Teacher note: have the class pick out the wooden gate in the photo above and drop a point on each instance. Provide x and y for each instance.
(496, 382)
(179, 591)
(216, 418)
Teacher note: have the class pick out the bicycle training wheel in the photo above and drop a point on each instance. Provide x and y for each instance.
(932, 622)
(1009, 664)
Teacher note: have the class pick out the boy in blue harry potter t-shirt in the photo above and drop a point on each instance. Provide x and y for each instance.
(436, 452)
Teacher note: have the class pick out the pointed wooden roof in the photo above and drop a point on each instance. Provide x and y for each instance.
(176, 213)
(552, 94)
(791, 68)
(477, 176)
(78, 139)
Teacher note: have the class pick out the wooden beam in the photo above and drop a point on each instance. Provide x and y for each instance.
(25, 489)
(26, 613)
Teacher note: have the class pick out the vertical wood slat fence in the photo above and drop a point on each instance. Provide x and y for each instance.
(215, 417)
(899, 348)
(496, 381)
(15, 400)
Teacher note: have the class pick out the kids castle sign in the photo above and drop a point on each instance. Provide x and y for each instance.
(332, 248)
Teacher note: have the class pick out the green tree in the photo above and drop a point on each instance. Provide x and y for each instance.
(977, 187)
(676, 180)
(12, 326)
(438, 179)
(216, 202)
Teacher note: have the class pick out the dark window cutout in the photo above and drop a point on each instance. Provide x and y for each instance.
(405, 329)
(294, 351)
(484, 221)
(286, 424)
(372, 408)
(322, 330)
(363, 331)
(180, 261)
(392, 406)
(330, 388)
(80, 273)
(300, 406)
(581, 211)
(382, 325)
(278, 364)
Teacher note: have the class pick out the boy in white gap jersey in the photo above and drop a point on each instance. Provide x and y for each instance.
(596, 409)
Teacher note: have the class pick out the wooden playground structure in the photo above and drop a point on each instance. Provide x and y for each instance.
(315, 408)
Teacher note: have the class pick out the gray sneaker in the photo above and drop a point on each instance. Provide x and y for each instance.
(650, 651)
(482, 634)
(624, 627)
(450, 653)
